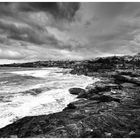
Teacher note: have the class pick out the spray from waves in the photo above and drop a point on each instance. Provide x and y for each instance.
(52, 95)
(43, 72)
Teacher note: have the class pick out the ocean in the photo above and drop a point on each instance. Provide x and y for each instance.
(36, 91)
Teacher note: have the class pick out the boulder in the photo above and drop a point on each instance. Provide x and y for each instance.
(76, 91)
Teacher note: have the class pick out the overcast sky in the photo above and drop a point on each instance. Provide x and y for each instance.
(42, 31)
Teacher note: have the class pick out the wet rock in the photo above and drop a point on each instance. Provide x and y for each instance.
(90, 87)
(104, 98)
(118, 133)
(92, 134)
(108, 135)
(70, 106)
(79, 103)
(128, 72)
(59, 133)
(134, 134)
(106, 86)
(130, 85)
(76, 91)
(73, 130)
(131, 133)
(100, 87)
(13, 136)
(33, 92)
(126, 79)
(82, 95)
(125, 72)
(37, 129)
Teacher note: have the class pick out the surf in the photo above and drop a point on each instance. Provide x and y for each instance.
(45, 91)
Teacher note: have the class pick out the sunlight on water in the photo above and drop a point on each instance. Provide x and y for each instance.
(36, 92)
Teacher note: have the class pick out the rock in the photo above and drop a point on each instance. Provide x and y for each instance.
(59, 133)
(70, 106)
(77, 104)
(118, 133)
(124, 72)
(33, 92)
(104, 98)
(134, 134)
(37, 129)
(74, 130)
(13, 136)
(100, 87)
(76, 91)
(92, 134)
(90, 87)
(97, 88)
(129, 72)
(98, 114)
(129, 85)
(126, 79)
(131, 133)
(106, 86)
(108, 134)
(82, 95)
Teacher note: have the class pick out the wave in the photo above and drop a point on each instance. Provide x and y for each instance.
(42, 73)
(47, 95)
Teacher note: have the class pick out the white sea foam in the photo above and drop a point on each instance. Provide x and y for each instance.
(43, 72)
(34, 73)
(51, 101)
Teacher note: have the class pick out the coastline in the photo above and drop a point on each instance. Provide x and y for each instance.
(46, 92)
(109, 108)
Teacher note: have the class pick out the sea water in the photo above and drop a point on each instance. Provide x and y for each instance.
(36, 91)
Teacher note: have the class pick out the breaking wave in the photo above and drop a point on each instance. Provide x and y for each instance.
(36, 92)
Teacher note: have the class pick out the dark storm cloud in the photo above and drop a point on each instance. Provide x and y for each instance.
(34, 32)
(4, 8)
(68, 30)
(57, 9)
(26, 33)
(27, 23)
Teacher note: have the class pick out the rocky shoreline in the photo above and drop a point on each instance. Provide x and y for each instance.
(109, 108)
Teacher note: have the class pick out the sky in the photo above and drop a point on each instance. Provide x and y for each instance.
(61, 31)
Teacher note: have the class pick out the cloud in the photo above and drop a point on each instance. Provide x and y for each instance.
(42, 31)
(24, 32)
(10, 54)
(58, 10)
(112, 26)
